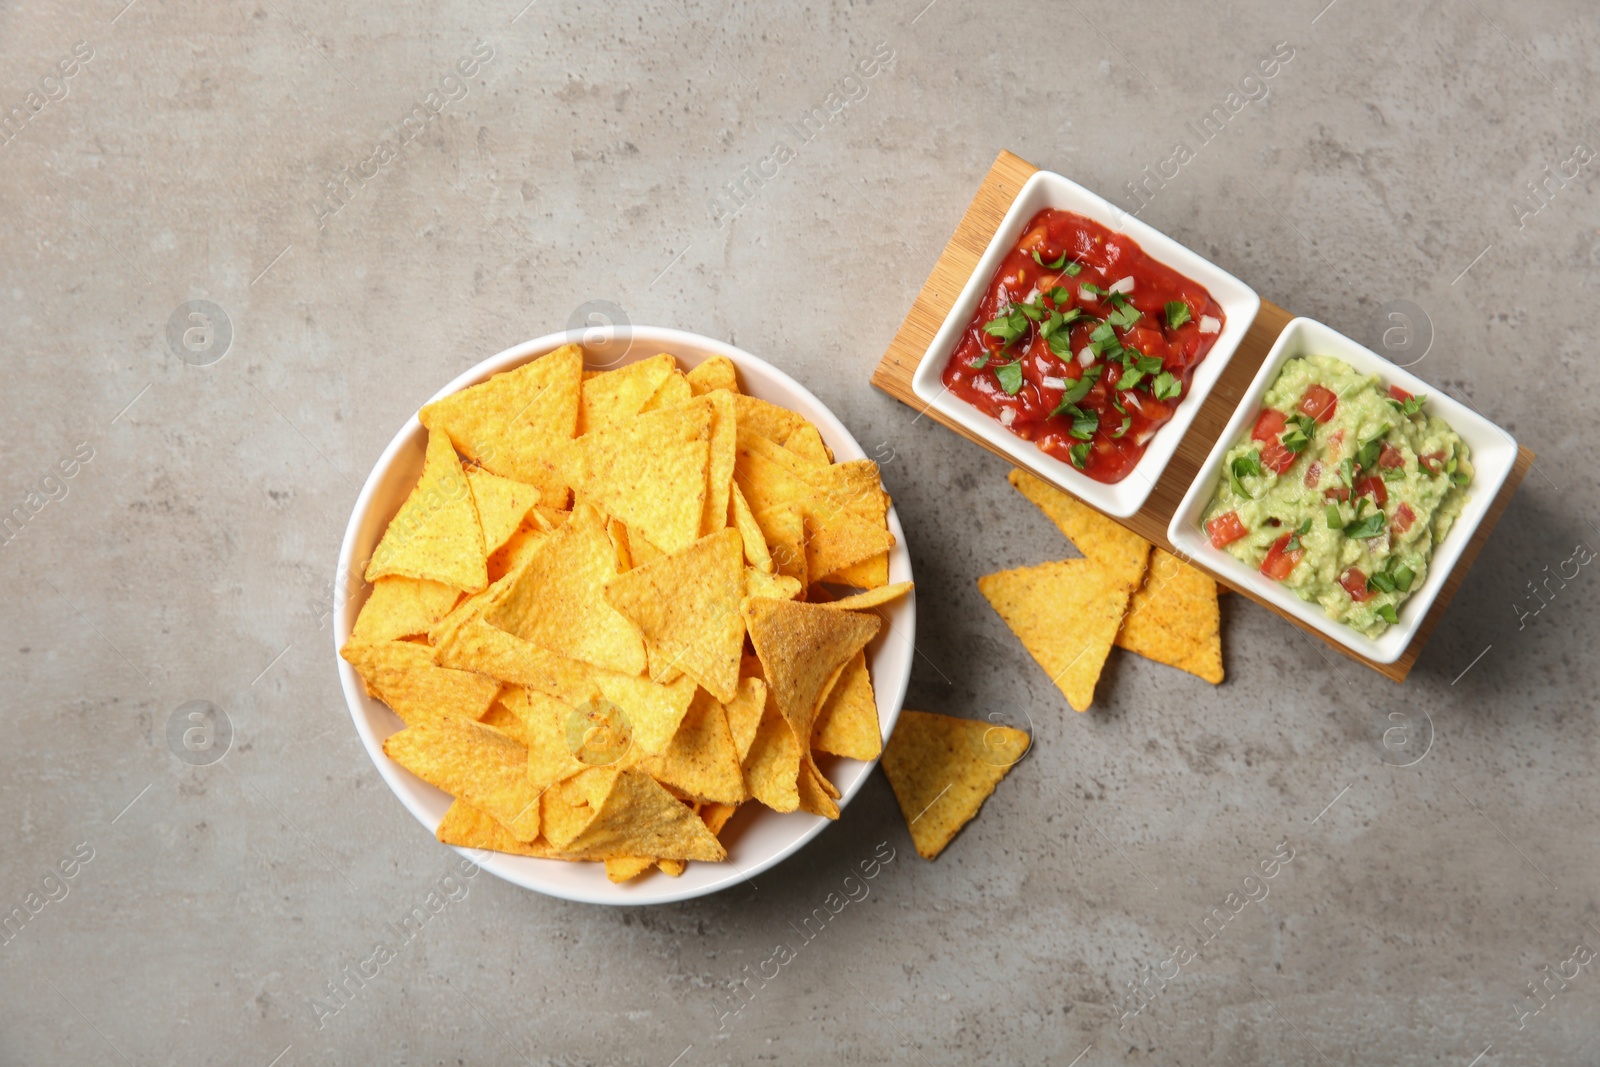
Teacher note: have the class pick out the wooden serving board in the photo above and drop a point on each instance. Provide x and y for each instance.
(950, 274)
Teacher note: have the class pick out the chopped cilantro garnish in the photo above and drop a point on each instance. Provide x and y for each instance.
(1124, 317)
(1363, 528)
(1331, 513)
(1008, 327)
(1166, 386)
(1386, 613)
(1060, 342)
(1127, 420)
(1080, 454)
(1247, 465)
(1409, 406)
(1294, 538)
(1297, 438)
(1084, 423)
(1010, 376)
(1092, 289)
(1060, 261)
(1131, 376)
(1177, 314)
(1368, 454)
(1072, 269)
(1148, 364)
(980, 363)
(1077, 390)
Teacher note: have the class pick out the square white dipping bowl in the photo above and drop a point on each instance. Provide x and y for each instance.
(1493, 453)
(1239, 304)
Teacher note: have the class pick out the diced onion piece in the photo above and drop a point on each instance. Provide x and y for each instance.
(1142, 436)
(1085, 356)
(1122, 285)
(1007, 416)
(1086, 295)
(1053, 383)
(1208, 324)
(1133, 398)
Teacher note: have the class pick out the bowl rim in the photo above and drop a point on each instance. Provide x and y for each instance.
(900, 617)
(1045, 188)
(1494, 454)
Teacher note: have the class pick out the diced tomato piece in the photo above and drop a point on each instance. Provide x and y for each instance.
(1390, 458)
(1313, 474)
(1320, 403)
(1339, 493)
(1432, 462)
(1224, 530)
(1280, 561)
(1373, 485)
(1403, 518)
(1399, 394)
(1355, 583)
(1269, 428)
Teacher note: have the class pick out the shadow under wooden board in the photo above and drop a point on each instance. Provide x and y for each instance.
(956, 264)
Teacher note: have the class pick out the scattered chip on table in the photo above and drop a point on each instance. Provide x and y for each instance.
(1113, 546)
(1173, 618)
(942, 769)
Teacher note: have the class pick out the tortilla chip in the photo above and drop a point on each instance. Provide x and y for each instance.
(772, 764)
(546, 724)
(814, 792)
(515, 552)
(744, 713)
(1116, 548)
(801, 646)
(650, 471)
(780, 586)
(701, 761)
(654, 711)
(402, 607)
(505, 720)
(639, 817)
(687, 607)
(715, 373)
(475, 763)
(465, 826)
(716, 816)
(1066, 614)
(871, 598)
(806, 442)
(847, 724)
(402, 674)
(719, 465)
(509, 423)
(615, 395)
(942, 770)
(558, 600)
(755, 542)
(435, 534)
(868, 574)
(474, 645)
(625, 868)
(670, 868)
(769, 420)
(672, 392)
(502, 504)
(784, 530)
(1173, 619)
(839, 539)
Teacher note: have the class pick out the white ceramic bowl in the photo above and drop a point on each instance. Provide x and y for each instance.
(1239, 303)
(1493, 454)
(756, 838)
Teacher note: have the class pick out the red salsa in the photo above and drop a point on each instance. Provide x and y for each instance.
(1083, 344)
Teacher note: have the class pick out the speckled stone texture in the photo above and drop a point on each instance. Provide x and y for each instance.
(366, 241)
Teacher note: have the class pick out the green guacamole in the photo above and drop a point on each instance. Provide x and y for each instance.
(1341, 491)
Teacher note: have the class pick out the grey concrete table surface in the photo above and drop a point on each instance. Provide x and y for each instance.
(364, 220)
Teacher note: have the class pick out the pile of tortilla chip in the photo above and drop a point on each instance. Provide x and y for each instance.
(604, 612)
(1069, 613)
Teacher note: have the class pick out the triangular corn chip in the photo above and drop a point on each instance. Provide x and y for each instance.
(435, 534)
(768, 420)
(518, 547)
(402, 607)
(870, 598)
(625, 868)
(801, 646)
(615, 395)
(640, 818)
(1116, 548)
(701, 761)
(772, 764)
(847, 724)
(475, 763)
(760, 583)
(716, 816)
(546, 723)
(650, 472)
(755, 542)
(673, 391)
(715, 373)
(814, 792)
(402, 675)
(557, 600)
(1066, 614)
(784, 530)
(806, 442)
(722, 450)
(687, 607)
(744, 712)
(870, 573)
(509, 423)
(1173, 619)
(465, 826)
(942, 769)
(504, 719)
(653, 711)
(502, 505)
